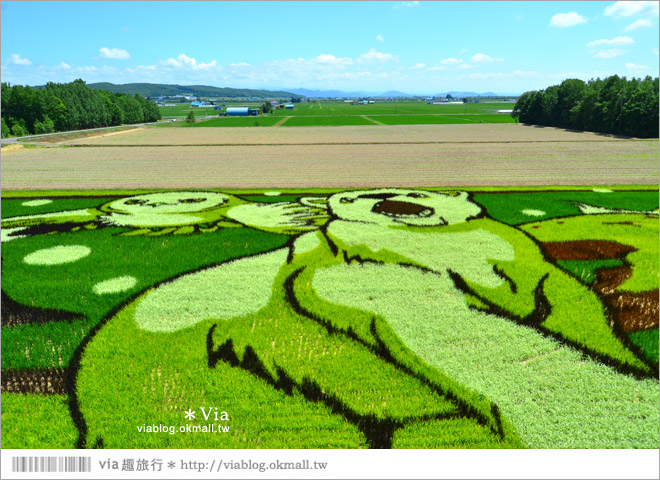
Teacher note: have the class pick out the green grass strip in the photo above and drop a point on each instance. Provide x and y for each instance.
(585, 270)
(326, 121)
(647, 340)
(509, 208)
(36, 421)
(239, 122)
(15, 208)
(37, 193)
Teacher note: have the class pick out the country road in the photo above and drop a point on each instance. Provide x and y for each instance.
(26, 140)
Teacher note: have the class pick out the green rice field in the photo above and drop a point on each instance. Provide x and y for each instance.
(378, 318)
(341, 113)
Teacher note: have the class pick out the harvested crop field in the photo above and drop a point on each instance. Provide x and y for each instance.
(309, 157)
(368, 134)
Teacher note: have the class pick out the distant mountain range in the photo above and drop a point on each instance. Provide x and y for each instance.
(343, 94)
(468, 94)
(158, 90)
(391, 93)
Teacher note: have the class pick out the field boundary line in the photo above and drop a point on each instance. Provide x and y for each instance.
(279, 124)
(446, 142)
(372, 120)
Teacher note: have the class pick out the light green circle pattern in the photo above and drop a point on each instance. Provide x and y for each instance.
(57, 255)
(36, 203)
(115, 285)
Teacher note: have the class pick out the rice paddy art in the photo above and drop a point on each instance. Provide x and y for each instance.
(376, 318)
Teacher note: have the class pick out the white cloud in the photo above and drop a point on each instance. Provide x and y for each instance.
(406, 4)
(491, 75)
(240, 64)
(636, 69)
(614, 42)
(380, 38)
(65, 66)
(569, 19)
(463, 50)
(184, 61)
(332, 60)
(375, 56)
(480, 58)
(611, 53)
(641, 23)
(655, 50)
(114, 53)
(465, 66)
(451, 61)
(484, 76)
(16, 59)
(437, 68)
(627, 9)
(419, 65)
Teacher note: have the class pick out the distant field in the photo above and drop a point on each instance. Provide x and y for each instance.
(182, 109)
(442, 119)
(239, 122)
(340, 113)
(325, 121)
(389, 108)
(341, 108)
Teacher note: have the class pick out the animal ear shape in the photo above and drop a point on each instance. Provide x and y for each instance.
(315, 202)
(463, 195)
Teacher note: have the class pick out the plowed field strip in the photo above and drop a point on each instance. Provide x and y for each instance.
(303, 166)
(356, 134)
(334, 143)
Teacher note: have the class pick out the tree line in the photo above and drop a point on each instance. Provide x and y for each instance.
(58, 107)
(613, 105)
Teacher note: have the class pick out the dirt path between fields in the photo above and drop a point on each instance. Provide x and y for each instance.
(279, 124)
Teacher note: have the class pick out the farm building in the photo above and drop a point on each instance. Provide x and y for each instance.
(238, 111)
(289, 106)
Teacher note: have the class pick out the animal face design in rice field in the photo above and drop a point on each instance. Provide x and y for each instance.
(170, 213)
(389, 318)
(165, 209)
(404, 207)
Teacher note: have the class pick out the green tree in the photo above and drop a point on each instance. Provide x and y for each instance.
(266, 107)
(5, 128)
(47, 126)
(19, 129)
(191, 118)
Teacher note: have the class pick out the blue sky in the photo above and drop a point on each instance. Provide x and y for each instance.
(416, 47)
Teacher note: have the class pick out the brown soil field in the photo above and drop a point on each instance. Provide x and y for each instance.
(310, 157)
(507, 132)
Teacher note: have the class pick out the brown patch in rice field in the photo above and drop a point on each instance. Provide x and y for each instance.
(632, 311)
(586, 250)
(45, 381)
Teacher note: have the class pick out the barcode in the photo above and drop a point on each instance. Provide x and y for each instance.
(51, 464)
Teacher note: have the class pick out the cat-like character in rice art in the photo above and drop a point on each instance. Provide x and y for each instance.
(403, 305)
